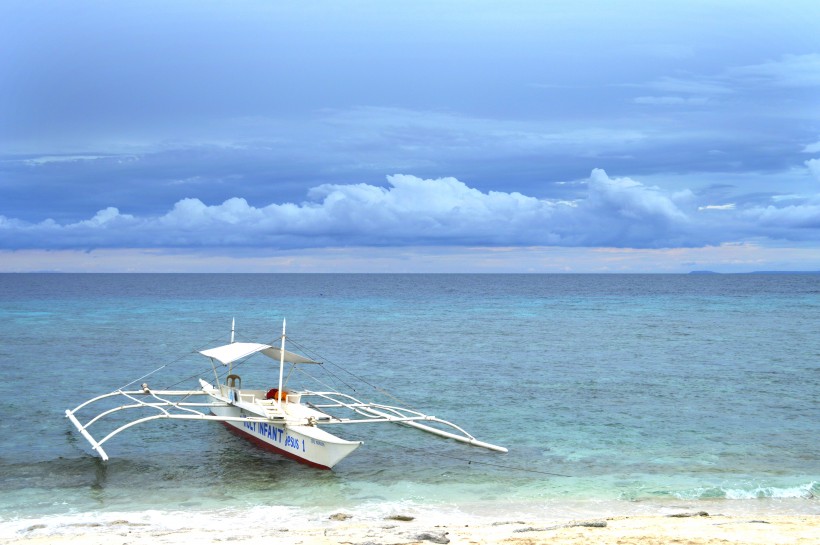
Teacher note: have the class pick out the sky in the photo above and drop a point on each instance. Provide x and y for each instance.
(409, 136)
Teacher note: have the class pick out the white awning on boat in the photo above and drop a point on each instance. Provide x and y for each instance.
(236, 351)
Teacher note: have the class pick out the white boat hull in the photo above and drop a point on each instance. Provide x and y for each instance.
(307, 444)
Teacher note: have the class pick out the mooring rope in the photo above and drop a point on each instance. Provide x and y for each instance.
(425, 452)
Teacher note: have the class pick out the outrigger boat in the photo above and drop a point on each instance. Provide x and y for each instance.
(290, 423)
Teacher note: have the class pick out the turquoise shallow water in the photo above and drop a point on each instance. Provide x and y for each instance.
(609, 390)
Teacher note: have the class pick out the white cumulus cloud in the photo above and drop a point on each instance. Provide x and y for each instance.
(812, 148)
(412, 211)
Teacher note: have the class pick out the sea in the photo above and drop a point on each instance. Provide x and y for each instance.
(615, 394)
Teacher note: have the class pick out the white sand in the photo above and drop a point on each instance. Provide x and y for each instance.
(622, 530)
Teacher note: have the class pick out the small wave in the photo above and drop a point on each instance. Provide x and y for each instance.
(271, 518)
(803, 491)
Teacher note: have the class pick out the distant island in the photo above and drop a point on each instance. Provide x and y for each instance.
(757, 272)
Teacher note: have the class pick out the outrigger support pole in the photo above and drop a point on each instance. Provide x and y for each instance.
(470, 440)
(94, 444)
(281, 364)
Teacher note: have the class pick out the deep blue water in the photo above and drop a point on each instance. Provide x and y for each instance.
(606, 388)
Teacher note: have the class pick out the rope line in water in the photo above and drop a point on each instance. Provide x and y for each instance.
(468, 460)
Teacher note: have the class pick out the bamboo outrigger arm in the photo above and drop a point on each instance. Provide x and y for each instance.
(374, 412)
(189, 409)
(97, 445)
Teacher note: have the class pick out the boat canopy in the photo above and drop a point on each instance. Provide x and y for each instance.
(230, 353)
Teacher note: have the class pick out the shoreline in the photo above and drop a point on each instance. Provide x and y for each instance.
(704, 522)
(686, 528)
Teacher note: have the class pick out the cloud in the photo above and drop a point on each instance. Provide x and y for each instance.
(789, 71)
(48, 159)
(672, 101)
(439, 259)
(621, 212)
(801, 217)
(444, 134)
(431, 210)
(772, 78)
(812, 148)
(617, 212)
(701, 86)
(814, 167)
(104, 218)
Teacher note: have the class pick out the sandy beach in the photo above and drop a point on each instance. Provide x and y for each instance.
(680, 528)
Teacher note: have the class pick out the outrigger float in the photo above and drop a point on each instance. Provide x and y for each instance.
(290, 423)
